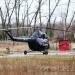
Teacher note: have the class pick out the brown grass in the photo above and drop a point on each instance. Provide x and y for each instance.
(14, 46)
(34, 65)
(38, 65)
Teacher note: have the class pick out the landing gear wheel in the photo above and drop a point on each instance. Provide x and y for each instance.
(25, 52)
(45, 52)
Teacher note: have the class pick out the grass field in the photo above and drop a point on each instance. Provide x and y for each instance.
(38, 65)
(34, 65)
(12, 45)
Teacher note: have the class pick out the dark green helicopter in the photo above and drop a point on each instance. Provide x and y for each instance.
(38, 41)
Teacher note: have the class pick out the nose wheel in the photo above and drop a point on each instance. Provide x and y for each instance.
(25, 52)
(45, 53)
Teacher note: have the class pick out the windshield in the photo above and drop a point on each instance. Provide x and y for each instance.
(38, 34)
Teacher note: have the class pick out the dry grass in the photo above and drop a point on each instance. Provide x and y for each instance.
(38, 65)
(34, 65)
(14, 46)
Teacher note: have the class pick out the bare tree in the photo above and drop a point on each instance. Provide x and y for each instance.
(7, 16)
(66, 19)
(54, 25)
(36, 13)
(17, 11)
(26, 15)
(70, 22)
(40, 14)
(50, 15)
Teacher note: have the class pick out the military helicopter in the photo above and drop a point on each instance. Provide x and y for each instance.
(38, 41)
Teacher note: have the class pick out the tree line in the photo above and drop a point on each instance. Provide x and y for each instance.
(13, 8)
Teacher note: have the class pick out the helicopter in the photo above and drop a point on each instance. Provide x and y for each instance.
(38, 41)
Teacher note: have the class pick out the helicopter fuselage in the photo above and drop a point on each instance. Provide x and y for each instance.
(35, 45)
(36, 42)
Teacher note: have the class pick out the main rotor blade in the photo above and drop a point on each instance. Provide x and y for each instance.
(15, 28)
(33, 27)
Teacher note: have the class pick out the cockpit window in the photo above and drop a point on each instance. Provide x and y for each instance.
(43, 36)
(38, 34)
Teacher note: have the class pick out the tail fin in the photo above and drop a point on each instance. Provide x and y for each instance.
(8, 33)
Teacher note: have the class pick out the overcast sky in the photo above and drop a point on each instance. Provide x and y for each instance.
(60, 10)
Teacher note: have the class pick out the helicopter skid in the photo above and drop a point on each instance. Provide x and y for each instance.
(44, 52)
